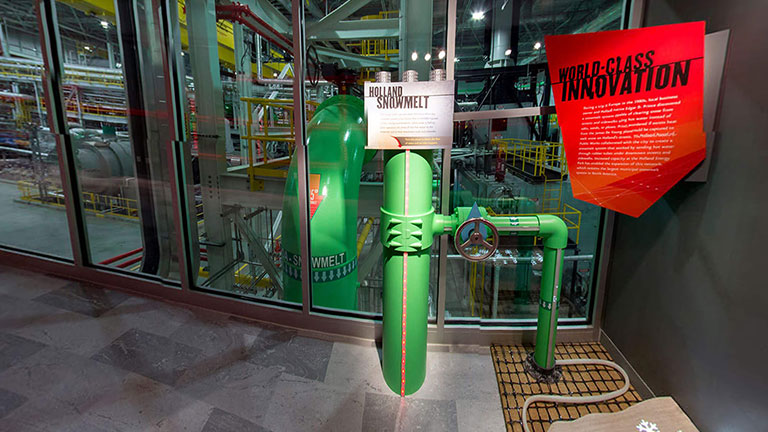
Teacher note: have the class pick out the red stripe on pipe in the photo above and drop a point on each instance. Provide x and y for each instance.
(121, 256)
(405, 279)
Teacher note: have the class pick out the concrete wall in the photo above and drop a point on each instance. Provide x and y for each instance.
(687, 296)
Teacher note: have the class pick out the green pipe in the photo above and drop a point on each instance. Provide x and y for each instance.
(407, 235)
(336, 139)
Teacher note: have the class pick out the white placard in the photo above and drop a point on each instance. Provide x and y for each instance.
(413, 115)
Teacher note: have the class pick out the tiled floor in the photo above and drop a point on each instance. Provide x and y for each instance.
(76, 358)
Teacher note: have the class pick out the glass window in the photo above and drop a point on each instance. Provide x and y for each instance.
(504, 167)
(500, 56)
(346, 181)
(241, 111)
(31, 198)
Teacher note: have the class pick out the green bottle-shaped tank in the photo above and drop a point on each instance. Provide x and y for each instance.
(336, 138)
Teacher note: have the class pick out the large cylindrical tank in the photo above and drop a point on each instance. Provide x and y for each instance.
(336, 138)
(103, 165)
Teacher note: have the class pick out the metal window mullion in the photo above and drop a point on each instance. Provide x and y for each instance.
(445, 183)
(300, 152)
(186, 233)
(53, 72)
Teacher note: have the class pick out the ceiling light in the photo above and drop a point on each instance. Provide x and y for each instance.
(414, 56)
(118, 65)
(182, 54)
(441, 54)
(455, 59)
(537, 45)
(508, 51)
(104, 24)
(274, 74)
(87, 48)
(427, 57)
(478, 15)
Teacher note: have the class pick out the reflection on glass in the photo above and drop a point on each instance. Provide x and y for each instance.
(502, 166)
(241, 143)
(500, 53)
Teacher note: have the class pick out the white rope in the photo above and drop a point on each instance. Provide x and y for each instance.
(578, 399)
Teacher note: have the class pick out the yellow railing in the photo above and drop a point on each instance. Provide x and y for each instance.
(533, 156)
(97, 204)
(378, 47)
(276, 125)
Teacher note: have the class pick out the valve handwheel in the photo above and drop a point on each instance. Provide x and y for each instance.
(476, 239)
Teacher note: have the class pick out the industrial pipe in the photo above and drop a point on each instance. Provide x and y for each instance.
(242, 14)
(336, 138)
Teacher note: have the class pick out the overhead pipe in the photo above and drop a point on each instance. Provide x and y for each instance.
(242, 14)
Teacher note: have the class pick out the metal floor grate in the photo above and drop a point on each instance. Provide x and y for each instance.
(515, 385)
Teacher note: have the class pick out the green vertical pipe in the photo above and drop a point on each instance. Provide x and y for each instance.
(555, 234)
(413, 236)
(336, 139)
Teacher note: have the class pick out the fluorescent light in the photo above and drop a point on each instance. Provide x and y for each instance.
(441, 54)
(104, 24)
(414, 56)
(427, 57)
(478, 15)
(508, 51)
(537, 46)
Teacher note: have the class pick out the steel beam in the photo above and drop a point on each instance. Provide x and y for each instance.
(201, 24)
(358, 30)
(360, 60)
(332, 19)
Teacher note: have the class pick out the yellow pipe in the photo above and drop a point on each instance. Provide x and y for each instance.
(364, 235)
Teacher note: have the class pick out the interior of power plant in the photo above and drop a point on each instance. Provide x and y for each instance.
(241, 65)
(279, 215)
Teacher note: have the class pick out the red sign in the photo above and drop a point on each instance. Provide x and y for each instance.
(630, 106)
(315, 198)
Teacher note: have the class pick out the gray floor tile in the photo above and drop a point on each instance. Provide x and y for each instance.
(14, 349)
(72, 331)
(142, 404)
(390, 413)
(296, 355)
(48, 414)
(356, 368)
(55, 372)
(453, 376)
(150, 355)
(213, 335)
(9, 401)
(222, 421)
(474, 415)
(26, 284)
(231, 384)
(149, 315)
(300, 405)
(83, 298)
(17, 313)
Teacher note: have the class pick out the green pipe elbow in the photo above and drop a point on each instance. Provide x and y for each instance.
(554, 231)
